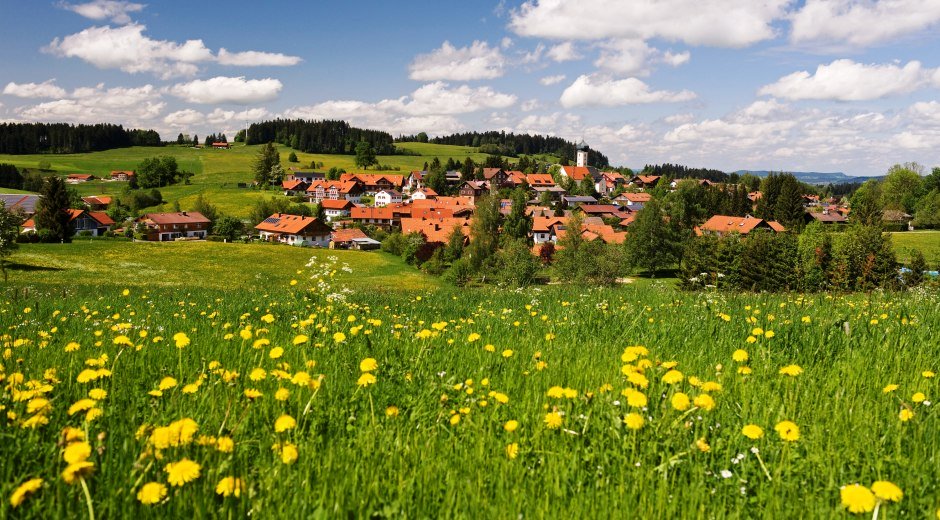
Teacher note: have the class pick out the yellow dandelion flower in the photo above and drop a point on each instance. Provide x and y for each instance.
(752, 431)
(300, 339)
(289, 454)
(889, 388)
(225, 444)
(511, 425)
(75, 472)
(368, 364)
(252, 393)
(887, 491)
(366, 379)
(918, 397)
(182, 472)
(229, 486)
(791, 370)
(391, 411)
(97, 394)
(857, 498)
(635, 398)
(552, 420)
(167, 383)
(151, 493)
(181, 340)
(512, 450)
(339, 337)
(788, 431)
(672, 377)
(507, 353)
(72, 346)
(905, 415)
(276, 353)
(81, 405)
(634, 421)
(93, 414)
(928, 374)
(284, 423)
(282, 394)
(705, 402)
(744, 371)
(25, 489)
(703, 445)
(680, 401)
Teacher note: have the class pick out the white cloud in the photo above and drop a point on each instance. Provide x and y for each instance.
(127, 48)
(188, 117)
(136, 106)
(719, 23)
(224, 89)
(506, 42)
(184, 118)
(635, 57)
(563, 52)
(46, 89)
(530, 105)
(846, 80)
(676, 58)
(430, 108)
(478, 61)
(860, 23)
(552, 80)
(595, 90)
(117, 11)
(256, 59)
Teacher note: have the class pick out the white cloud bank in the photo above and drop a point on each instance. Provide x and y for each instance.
(117, 11)
(478, 61)
(224, 89)
(597, 90)
(846, 80)
(46, 89)
(861, 23)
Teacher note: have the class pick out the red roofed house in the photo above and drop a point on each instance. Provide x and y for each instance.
(295, 230)
(436, 230)
(76, 178)
(94, 222)
(723, 225)
(373, 183)
(294, 187)
(220, 146)
(383, 217)
(162, 227)
(540, 180)
(579, 173)
(633, 201)
(334, 190)
(644, 181)
(424, 194)
(336, 209)
(544, 229)
(496, 176)
(352, 238)
(97, 203)
(386, 197)
(474, 189)
(122, 175)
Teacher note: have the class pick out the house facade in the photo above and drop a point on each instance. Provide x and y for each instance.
(333, 190)
(164, 227)
(295, 230)
(336, 209)
(386, 197)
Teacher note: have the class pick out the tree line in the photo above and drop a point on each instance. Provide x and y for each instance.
(327, 137)
(30, 138)
(512, 145)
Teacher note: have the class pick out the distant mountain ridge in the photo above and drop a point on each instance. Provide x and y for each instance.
(815, 177)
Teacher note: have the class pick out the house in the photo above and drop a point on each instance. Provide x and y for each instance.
(496, 177)
(453, 177)
(17, 202)
(544, 229)
(94, 222)
(474, 189)
(643, 182)
(579, 173)
(220, 146)
(386, 197)
(122, 175)
(516, 178)
(415, 180)
(333, 190)
(602, 211)
(553, 192)
(77, 178)
(383, 217)
(723, 225)
(308, 177)
(423, 194)
(371, 184)
(825, 217)
(436, 230)
(295, 230)
(633, 201)
(539, 180)
(294, 187)
(97, 202)
(335, 209)
(353, 238)
(573, 200)
(613, 180)
(162, 227)
(897, 218)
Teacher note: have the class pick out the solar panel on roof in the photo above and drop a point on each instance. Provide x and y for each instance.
(271, 220)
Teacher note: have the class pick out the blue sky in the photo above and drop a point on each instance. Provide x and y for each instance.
(823, 85)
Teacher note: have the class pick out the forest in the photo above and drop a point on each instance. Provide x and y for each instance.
(513, 145)
(30, 138)
(329, 137)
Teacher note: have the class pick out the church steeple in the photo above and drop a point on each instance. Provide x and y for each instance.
(582, 154)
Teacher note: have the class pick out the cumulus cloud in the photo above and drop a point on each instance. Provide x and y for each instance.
(125, 105)
(46, 89)
(861, 23)
(256, 59)
(430, 108)
(127, 48)
(718, 23)
(635, 57)
(478, 61)
(224, 89)
(563, 52)
(596, 90)
(552, 80)
(117, 11)
(188, 117)
(846, 80)
(184, 118)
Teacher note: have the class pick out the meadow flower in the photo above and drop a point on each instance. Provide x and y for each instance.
(339, 337)
(75, 472)
(791, 370)
(705, 402)
(638, 379)
(511, 425)
(276, 353)
(889, 388)
(512, 450)
(507, 353)
(182, 472)
(284, 423)
(23, 490)
(282, 394)
(751, 339)
(151, 493)
(181, 340)
(635, 398)
(918, 397)
(634, 421)
(552, 420)
(76, 452)
(366, 379)
(72, 346)
(368, 365)
(300, 339)
(905, 415)
(788, 431)
(928, 374)
(391, 411)
(289, 454)
(680, 401)
(225, 444)
(672, 377)
(81, 405)
(703, 445)
(887, 491)
(752, 431)
(166, 383)
(229, 486)
(857, 498)
(455, 419)
(473, 337)
(97, 394)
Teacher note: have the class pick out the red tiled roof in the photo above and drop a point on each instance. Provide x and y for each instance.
(346, 235)
(336, 204)
(367, 212)
(294, 185)
(436, 230)
(341, 187)
(578, 173)
(115, 173)
(82, 176)
(183, 217)
(97, 200)
(291, 224)
(539, 180)
(636, 197)
(545, 224)
(726, 224)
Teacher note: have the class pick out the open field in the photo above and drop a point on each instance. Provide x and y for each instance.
(928, 242)
(218, 172)
(445, 403)
(199, 264)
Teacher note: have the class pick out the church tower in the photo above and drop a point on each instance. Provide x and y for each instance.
(582, 154)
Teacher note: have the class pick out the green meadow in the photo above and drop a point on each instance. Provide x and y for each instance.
(928, 242)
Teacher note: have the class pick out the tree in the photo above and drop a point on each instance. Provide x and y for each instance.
(52, 217)
(518, 224)
(927, 213)
(866, 204)
(265, 162)
(789, 208)
(902, 187)
(156, 172)
(10, 177)
(229, 228)
(515, 264)
(292, 157)
(9, 231)
(453, 250)
(422, 137)
(208, 210)
(195, 140)
(652, 242)
(365, 155)
(180, 139)
(484, 231)
(914, 276)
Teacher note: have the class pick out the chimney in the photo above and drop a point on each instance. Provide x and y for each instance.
(183, 213)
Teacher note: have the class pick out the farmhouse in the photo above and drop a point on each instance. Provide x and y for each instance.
(474, 189)
(383, 217)
(539, 180)
(825, 217)
(371, 183)
(437, 230)
(97, 202)
(93, 222)
(122, 175)
(336, 209)
(78, 178)
(308, 177)
(386, 197)
(573, 200)
(633, 201)
(580, 173)
(644, 181)
(294, 187)
(333, 190)
(162, 227)
(353, 238)
(545, 229)
(220, 146)
(723, 225)
(295, 230)
(415, 180)
(424, 194)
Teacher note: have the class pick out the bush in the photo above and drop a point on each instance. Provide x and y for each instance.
(516, 265)
(394, 244)
(84, 233)
(459, 274)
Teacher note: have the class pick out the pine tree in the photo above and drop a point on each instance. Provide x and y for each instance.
(265, 162)
(652, 243)
(52, 217)
(518, 224)
(789, 207)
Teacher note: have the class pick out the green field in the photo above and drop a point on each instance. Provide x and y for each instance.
(218, 172)
(130, 370)
(928, 242)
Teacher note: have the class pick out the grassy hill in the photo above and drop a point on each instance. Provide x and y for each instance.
(218, 172)
(928, 242)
